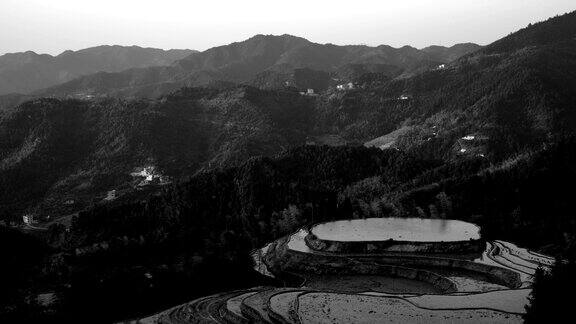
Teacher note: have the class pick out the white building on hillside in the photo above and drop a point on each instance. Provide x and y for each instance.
(29, 219)
(309, 92)
(111, 195)
(346, 86)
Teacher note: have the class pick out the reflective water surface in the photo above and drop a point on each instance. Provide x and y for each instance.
(399, 229)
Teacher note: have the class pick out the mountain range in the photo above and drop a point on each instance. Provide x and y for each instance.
(27, 72)
(242, 62)
(508, 97)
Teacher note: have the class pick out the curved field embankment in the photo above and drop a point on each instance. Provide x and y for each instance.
(293, 259)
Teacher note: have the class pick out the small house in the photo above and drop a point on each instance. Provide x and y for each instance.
(346, 86)
(29, 219)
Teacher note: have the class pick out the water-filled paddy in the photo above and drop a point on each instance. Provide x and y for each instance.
(398, 229)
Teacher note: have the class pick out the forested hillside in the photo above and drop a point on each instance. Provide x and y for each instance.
(506, 102)
(484, 105)
(53, 151)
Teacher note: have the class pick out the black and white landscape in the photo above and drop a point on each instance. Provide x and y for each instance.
(278, 179)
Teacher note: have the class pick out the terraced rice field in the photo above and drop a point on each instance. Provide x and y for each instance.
(355, 283)
(344, 308)
(491, 287)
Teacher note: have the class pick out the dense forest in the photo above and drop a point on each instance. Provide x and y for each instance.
(547, 304)
(125, 258)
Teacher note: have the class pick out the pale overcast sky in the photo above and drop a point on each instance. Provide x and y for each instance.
(52, 26)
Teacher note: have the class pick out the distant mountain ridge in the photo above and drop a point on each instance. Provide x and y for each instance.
(441, 53)
(27, 71)
(242, 62)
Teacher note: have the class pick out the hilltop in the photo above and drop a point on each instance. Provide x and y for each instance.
(244, 61)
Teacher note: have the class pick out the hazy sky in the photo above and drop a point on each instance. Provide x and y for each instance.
(52, 26)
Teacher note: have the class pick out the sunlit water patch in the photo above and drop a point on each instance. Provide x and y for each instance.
(399, 229)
